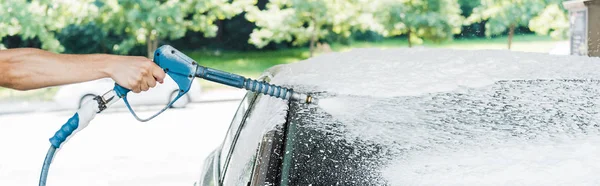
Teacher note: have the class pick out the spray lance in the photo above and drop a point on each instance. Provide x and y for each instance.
(182, 69)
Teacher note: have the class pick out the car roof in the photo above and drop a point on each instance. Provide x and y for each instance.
(411, 106)
(515, 127)
(405, 72)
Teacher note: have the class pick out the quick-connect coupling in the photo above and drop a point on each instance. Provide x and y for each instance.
(277, 91)
(268, 89)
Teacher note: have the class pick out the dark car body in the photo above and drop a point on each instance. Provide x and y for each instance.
(305, 145)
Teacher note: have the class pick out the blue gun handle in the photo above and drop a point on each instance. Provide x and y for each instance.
(121, 91)
(65, 131)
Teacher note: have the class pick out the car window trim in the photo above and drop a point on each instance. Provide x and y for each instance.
(282, 134)
(266, 166)
(236, 136)
(289, 139)
(231, 124)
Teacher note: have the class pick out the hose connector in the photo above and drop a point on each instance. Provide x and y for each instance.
(277, 91)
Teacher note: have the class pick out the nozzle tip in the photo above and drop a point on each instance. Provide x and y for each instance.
(312, 100)
(304, 98)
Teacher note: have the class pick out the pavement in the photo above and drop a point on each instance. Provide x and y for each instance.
(222, 95)
(17, 107)
(115, 149)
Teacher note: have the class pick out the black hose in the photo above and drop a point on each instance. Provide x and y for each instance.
(46, 166)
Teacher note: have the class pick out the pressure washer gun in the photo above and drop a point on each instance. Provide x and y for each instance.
(182, 69)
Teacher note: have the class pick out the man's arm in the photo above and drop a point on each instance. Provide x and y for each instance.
(30, 68)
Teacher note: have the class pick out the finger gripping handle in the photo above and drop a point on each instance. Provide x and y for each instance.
(65, 131)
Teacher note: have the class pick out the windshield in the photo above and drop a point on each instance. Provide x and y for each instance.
(468, 136)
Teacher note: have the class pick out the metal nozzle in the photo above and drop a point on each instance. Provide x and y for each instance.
(312, 100)
(304, 98)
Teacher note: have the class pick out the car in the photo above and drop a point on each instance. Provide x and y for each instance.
(72, 96)
(418, 117)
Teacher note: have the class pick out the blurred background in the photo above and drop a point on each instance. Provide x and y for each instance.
(249, 36)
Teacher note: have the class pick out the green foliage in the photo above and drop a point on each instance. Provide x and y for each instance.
(125, 26)
(140, 20)
(551, 21)
(435, 20)
(88, 38)
(300, 21)
(503, 14)
(474, 29)
(232, 34)
(147, 21)
(467, 6)
(41, 19)
(207, 12)
(542, 16)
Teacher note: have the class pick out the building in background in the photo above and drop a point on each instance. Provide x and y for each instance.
(584, 17)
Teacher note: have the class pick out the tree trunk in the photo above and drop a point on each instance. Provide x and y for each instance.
(149, 52)
(219, 30)
(151, 46)
(313, 38)
(409, 41)
(511, 33)
(155, 44)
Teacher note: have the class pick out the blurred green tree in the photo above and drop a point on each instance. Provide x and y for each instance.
(503, 15)
(470, 30)
(149, 21)
(41, 19)
(435, 20)
(302, 21)
(89, 38)
(467, 6)
(553, 21)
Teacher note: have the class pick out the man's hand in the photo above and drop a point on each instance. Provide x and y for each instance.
(31, 68)
(134, 73)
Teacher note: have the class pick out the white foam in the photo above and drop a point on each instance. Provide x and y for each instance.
(399, 72)
(344, 107)
(442, 142)
(568, 161)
